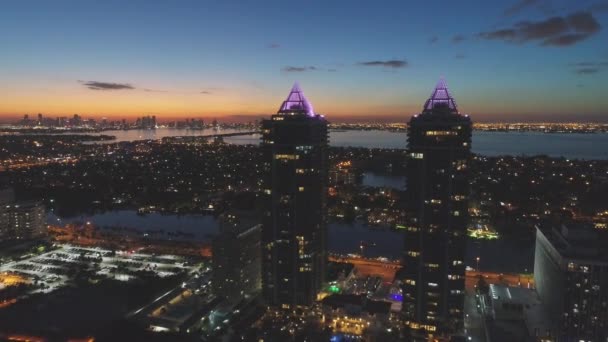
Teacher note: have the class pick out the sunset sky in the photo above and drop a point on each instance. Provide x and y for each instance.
(512, 60)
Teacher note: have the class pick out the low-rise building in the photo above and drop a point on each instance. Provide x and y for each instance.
(517, 314)
(7, 196)
(20, 220)
(356, 314)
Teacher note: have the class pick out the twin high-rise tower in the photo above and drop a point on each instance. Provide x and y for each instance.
(294, 238)
(295, 147)
(439, 150)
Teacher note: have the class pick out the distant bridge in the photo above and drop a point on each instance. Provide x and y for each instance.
(230, 134)
(216, 135)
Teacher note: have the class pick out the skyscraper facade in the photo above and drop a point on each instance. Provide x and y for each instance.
(439, 150)
(571, 278)
(236, 256)
(294, 234)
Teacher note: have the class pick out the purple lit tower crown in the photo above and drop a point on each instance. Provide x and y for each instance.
(441, 97)
(296, 103)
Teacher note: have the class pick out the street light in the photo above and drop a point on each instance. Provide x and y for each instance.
(477, 264)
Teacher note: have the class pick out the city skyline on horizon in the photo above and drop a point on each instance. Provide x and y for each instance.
(375, 119)
(343, 119)
(526, 61)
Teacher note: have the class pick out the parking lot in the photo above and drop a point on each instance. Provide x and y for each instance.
(55, 268)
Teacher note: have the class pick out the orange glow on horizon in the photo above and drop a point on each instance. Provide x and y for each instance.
(238, 105)
(116, 105)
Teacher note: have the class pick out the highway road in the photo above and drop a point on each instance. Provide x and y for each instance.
(508, 279)
(387, 270)
(371, 267)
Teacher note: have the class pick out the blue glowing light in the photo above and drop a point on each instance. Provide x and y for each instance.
(396, 296)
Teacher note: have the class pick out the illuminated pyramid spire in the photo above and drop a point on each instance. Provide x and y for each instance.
(441, 96)
(296, 102)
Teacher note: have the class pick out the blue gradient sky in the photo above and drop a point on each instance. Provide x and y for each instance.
(228, 58)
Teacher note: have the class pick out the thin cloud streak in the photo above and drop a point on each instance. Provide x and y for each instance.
(587, 71)
(107, 86)
(458, 39)
(97, 85)
(393, 63)
(298, 69)
(155, 90)
(554, 31)
(588, 68)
